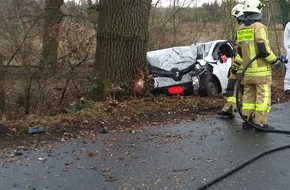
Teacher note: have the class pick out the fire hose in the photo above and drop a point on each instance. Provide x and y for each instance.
(237, 168)
(239, 81)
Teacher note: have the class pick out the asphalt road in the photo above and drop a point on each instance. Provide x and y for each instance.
(177, 156)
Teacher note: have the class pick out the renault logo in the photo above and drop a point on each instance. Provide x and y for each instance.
(177, 74)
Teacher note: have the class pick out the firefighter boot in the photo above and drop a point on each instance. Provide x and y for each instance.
(246, 125)
(263, 127)
(225, 114)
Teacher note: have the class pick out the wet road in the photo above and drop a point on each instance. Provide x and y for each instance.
(177, 156)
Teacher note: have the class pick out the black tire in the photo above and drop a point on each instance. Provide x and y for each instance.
(209, 85)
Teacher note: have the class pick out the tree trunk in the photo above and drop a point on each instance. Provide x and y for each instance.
(284, 6)
(121, 46)
(2, 89)
(52, 19)
(232, 23)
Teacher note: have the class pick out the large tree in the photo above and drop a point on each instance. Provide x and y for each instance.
(52, 19)
(121, 46)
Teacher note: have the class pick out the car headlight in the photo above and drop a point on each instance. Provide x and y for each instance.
(195, 81)
(197, 66)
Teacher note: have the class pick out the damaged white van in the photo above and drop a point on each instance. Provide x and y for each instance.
(199, 69)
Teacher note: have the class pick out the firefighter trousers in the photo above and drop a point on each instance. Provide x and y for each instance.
(230, 105)
(257, 102)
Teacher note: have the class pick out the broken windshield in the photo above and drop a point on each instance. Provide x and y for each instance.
(203, 49)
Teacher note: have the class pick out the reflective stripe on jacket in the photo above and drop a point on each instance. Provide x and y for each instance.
(249, 37)
(239, 61)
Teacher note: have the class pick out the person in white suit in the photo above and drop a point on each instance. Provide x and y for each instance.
(287, 48)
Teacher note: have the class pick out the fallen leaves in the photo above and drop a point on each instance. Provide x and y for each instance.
(91, 154)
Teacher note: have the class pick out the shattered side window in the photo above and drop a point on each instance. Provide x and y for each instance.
(200, 51)
(203, 49)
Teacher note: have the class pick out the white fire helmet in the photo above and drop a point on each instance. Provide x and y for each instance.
(237, 10)
(253, 6)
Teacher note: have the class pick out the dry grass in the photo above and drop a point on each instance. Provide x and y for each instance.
(131, 115)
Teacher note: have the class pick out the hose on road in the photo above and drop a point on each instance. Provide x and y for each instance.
(237, 168)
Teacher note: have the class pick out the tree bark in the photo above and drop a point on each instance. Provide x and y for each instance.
(52, 19)
(122, 38)
(2, 88)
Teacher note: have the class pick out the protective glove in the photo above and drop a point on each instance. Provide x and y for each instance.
(234, 69)
(223, 59)
(283, 58)
(277, 64)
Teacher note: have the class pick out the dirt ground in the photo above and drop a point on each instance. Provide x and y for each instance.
(131, 116)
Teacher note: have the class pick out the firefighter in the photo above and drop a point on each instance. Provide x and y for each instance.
(287, 48)
(252, 40)
(229, 108)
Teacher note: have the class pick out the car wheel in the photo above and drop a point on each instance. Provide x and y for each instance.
(209, 85)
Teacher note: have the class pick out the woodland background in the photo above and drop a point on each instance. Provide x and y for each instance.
(62, 58)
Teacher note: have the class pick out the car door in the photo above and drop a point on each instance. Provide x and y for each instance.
(221, 66)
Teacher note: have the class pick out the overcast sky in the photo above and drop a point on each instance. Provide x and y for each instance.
(166, 3)
(182, 3)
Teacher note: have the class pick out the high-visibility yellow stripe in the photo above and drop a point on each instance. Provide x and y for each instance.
(238, 59)
(261, 107)
(271, 58)
(252, 55)
(269, 109)
(265, 106)
(249, 106)
(259, 71)
(267, 99)
(268, 73)
(266, 94)
(231, 99)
